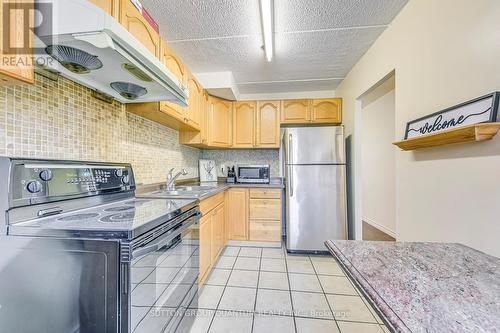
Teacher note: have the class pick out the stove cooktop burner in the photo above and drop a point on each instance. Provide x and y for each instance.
(78, 217)
(118, 209)
(121, 217)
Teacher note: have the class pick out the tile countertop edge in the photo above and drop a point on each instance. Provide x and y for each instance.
(390, 318)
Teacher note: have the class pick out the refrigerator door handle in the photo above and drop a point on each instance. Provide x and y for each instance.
(290, 160)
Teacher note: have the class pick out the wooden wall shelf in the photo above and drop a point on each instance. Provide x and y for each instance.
(466, 134)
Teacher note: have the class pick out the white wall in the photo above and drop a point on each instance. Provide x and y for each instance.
(443, 53)
(378, 163)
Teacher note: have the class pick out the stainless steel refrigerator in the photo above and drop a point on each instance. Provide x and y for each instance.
(315, 172)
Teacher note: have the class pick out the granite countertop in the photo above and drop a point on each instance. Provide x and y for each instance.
(425, 287)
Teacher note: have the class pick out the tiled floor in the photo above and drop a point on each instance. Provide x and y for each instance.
(266, 290)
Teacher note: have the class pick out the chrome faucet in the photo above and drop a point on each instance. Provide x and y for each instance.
(171, 178)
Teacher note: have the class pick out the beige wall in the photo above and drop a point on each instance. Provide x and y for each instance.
(61, 120)
(443, 53)
(379, 163)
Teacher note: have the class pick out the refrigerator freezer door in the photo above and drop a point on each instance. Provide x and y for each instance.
(315, 145)
(316, 206)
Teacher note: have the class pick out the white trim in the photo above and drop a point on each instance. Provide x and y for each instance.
(253, 244)
(380, 227)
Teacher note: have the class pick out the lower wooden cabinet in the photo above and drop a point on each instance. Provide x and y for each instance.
(205, 245)
(265, 215)
(217, 241)
(237, 213)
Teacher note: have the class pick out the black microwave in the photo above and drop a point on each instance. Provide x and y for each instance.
(253, 174)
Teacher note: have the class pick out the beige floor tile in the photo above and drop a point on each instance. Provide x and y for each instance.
(304, 282)
(273, 280)
(273, 265)
(162, 275)
(322, 258)
(243, 279)
(196, 321)
(225, 262)
(175, 260)
(307, 325)
(147, 294)
(273, 253)
(310, 305)
(336, 285)
(298, 266)
(218, 277)
(238, 299)
(327, 268)
(247, 263)
(156, 319)
(274, 302)
(231, 251)
(208, 297)
(350, 308)
(273, 324)
(253, 252)
(173, 296)
(350, 327)
(140, 273)
(372, 310)
(231, 322)
(137, 313)
(296, 257)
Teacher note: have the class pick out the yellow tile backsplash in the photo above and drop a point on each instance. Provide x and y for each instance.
(61, 120)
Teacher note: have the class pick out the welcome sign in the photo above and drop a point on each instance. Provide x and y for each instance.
(480, 110)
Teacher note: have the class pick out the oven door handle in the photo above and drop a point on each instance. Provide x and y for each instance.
(163, 240)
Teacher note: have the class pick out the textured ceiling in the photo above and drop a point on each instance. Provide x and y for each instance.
(317, 42)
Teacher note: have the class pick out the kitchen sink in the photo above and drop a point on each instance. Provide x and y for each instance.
(185, 192)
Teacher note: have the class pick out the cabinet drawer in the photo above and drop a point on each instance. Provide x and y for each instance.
(259, 193)
(210, 203)
(265, 231)
(267, 209)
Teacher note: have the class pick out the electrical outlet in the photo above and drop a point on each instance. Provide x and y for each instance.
(223, 169)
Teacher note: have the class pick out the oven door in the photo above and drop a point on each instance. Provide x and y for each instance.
(163, 279)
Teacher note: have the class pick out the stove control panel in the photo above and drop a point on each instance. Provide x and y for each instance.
(44, 181)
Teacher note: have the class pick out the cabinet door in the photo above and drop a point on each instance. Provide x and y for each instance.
(195, 96)
(176, 67)
(220, 123)
(244, 124)
(137, 25)
(205, 244)
(109, 6)
(268, 124)
(237, 211)
(20, 41)
(217, 232)
(295, 111)
(327, 111)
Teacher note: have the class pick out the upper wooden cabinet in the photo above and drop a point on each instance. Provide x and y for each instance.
(244, 124)
(220, 123)
(138, 26)
(327, 111)
(268, 124)
(295, 111)
(15, 64)
(112, 7)
(194, 110)
(317, 111)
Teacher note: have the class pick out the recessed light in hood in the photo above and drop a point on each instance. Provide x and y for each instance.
(129, 90)
(74, 60)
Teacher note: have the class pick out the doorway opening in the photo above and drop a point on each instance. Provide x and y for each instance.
(377, 169)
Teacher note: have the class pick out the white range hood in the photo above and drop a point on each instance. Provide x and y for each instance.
(88, 46)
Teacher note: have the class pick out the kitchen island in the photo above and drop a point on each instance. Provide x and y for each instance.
(425, 287)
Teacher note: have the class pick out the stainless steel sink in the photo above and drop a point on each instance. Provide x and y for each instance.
(185, 192)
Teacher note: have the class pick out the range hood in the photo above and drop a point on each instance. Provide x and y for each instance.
(88, 46)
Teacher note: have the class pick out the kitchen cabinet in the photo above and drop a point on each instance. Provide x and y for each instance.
(316, 111)
(193, 112)
(205, 245)
(217, 236)
(268, 124)
(295, 111)
(220, 123)
(111, 7)
(327, 111)
(199, 138)
(237, 213)
(139, 27)
(244, 124)
(16, 66)
(265, 215)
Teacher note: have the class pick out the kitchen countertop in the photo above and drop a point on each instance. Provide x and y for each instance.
(425, 287)
(276, 183)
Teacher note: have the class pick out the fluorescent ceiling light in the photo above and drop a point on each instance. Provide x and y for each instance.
(266, 14)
